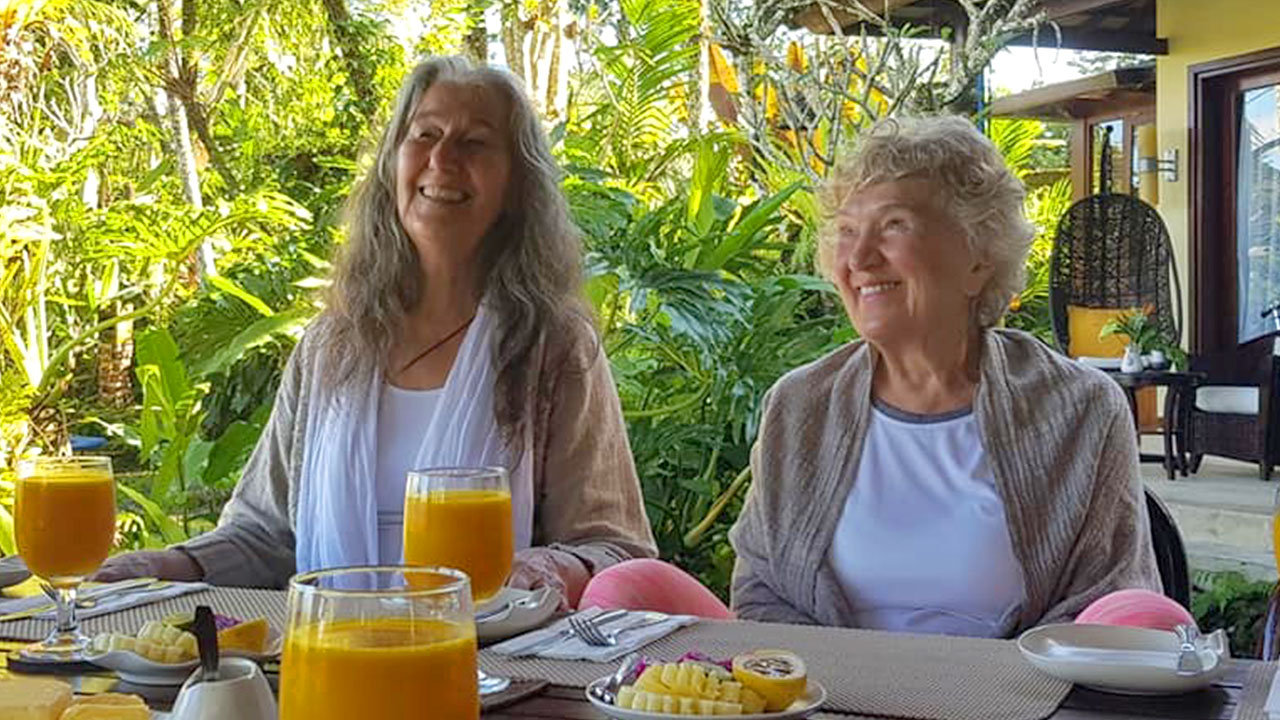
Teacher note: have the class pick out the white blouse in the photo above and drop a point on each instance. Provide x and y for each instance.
(923, 544)
(403, 416)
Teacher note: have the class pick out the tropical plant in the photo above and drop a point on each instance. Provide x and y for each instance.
(1136, 327)
(1233, 603)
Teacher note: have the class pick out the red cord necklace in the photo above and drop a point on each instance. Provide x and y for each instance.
(437, 345)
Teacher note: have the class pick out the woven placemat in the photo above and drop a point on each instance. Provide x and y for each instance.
(1257, 685)
(924, 677)
(243, 603)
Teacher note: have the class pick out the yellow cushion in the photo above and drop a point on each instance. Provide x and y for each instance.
(1083, 326)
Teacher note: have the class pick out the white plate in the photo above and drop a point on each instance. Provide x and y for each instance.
(136, 669)
(1112, 658)
(806, 705)
(12, 571)
(518, 618)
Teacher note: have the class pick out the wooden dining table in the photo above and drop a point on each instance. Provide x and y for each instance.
(1219, 702)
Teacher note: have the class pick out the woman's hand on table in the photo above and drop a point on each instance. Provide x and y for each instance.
(545, 567)
(162, 564)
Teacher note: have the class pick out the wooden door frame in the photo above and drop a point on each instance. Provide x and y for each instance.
(1213, 277)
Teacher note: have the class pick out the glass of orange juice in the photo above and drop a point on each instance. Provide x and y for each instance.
(1275, 527)
(379, 642)
(65, 522)
(461, 517)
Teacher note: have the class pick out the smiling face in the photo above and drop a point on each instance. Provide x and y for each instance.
(453, 168)
(901, 263)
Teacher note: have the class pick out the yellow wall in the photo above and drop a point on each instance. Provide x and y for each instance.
(1198, 31)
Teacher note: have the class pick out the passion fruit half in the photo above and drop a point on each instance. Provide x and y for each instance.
(779, 676)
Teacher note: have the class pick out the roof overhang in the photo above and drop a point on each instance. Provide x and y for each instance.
(1110, 92)
(1112, 25)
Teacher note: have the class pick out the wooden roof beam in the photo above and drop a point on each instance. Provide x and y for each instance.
(1090, 39)
(1055, 9)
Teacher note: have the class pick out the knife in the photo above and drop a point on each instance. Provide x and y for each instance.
(90, 594)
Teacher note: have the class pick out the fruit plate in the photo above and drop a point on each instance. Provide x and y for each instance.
(1117, 659)
(132, 667)
(804, 706)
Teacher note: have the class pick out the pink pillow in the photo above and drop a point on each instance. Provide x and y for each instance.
(652, 585)
(1136, 608)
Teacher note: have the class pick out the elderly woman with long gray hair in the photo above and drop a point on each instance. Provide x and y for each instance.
(939, 475)
(456, 334)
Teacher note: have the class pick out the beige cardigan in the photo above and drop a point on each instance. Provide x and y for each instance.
(586, 493)
(1060, 440)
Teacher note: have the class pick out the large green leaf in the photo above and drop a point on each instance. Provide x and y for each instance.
(709, 168)
(748, 230)
(260, 332)
(169, 529)
(8, 542)
(231, 450)
(156, 347)
(230, 287)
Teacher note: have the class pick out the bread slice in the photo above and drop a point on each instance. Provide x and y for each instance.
(33, 698)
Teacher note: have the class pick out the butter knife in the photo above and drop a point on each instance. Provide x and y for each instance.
(96, 593)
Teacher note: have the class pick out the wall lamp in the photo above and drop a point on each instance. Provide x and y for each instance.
(1166, 165)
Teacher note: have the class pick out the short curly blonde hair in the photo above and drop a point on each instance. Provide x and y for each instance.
(978, 190)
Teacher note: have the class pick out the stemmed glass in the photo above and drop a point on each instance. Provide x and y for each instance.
(65, 518)
(460, 517)
(379, 642)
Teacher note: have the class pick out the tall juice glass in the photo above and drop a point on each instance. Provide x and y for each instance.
(65, 522)
(461, 518)
(379, 642)
(1275, 527)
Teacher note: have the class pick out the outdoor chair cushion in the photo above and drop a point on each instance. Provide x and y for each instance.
(1083, 326)
(1227, 399)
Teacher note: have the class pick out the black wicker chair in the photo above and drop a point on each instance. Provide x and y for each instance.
(1236, 432)
(1171, 556)
(1113, 251)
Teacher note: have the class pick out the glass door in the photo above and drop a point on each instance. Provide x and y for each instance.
(1257, 205)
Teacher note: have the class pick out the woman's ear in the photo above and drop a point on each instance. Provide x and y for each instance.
(976, 278)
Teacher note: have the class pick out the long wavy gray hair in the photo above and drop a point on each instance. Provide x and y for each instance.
(530, 260)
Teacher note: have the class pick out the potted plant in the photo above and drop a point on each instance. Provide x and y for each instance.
(1141, 333)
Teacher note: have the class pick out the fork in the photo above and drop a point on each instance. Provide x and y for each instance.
(1188, 656)
(566, 633)
(593, 635)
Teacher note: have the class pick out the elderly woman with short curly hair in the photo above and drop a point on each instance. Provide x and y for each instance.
(456, 334)
(941, 474)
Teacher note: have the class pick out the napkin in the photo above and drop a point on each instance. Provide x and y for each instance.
(109, 604)
(573, 648)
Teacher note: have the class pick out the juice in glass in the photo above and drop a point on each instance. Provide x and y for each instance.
(65, 522)
(465, 529)
(1275, 536)
(381, 668)
(380, 642)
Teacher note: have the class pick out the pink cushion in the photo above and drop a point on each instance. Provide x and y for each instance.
(1136, 608)
(652, 585)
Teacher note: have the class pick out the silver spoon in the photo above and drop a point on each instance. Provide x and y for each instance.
(533, 600)
(608, 692)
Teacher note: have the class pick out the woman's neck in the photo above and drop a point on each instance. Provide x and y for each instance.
(937, 374)
(449, 297)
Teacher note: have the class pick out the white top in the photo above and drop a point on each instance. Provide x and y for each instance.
(923, 544)
(403, 415)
